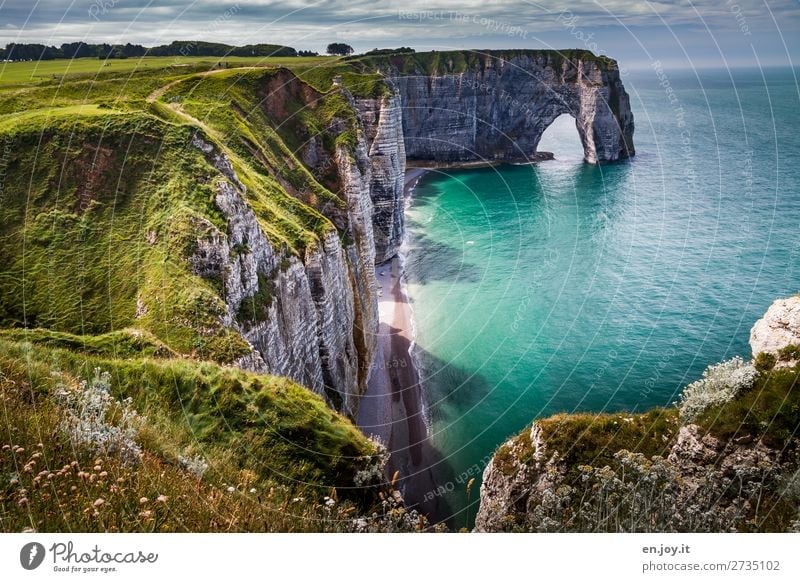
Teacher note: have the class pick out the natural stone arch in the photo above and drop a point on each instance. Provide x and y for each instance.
(498, 106)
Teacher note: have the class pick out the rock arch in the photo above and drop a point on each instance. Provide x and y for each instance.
(496, 106)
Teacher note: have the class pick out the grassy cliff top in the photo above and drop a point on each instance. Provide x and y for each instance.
(449, 62)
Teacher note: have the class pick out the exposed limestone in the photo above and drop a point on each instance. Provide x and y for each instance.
(307, 327)
(499, 108)
(383, 125)
(779, 328)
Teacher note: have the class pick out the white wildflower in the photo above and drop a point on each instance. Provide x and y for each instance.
(195, 465)
(719, 384)
(86, 422)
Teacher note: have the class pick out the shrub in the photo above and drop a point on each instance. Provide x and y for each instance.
(719, 384)
(765, 361)
(97, 422)
(790, 352)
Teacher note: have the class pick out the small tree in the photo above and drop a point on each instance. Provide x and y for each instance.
(339, 48)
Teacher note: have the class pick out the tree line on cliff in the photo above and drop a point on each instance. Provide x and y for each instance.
(76, 50)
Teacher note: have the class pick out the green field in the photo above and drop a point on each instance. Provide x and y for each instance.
(31, 72)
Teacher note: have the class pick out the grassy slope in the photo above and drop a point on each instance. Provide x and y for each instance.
(255, 432)
(26, 73)
(102, 200)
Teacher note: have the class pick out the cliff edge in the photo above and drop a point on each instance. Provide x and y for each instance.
(725, 459)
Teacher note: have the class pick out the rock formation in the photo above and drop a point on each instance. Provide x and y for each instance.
(731, 469)
(778, 330)
(319, 325)
(495, 106)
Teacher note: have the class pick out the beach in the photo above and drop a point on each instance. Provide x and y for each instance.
(393, 408)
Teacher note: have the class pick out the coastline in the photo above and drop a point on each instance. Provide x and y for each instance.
(393, 408)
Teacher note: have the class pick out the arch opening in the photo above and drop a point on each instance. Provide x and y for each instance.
(562, 139)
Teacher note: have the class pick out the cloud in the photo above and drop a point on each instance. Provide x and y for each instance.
(369, 23)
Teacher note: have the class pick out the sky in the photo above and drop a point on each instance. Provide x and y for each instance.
(680, 33)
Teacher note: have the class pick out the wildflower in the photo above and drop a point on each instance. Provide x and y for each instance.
(86, 420)
(145, 514)
(143, 500)
(23, 502)
(196, 465)
(162, 498)
(253, 490)
(98, 502)
(719, 384)
(231, 489)
(103, 474)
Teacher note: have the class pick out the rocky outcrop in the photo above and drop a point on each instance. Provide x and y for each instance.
(703, 483)
(733, 468)
(527, 473)
(777, 330)
(496, 105)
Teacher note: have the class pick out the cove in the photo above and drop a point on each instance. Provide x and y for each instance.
(565, 287)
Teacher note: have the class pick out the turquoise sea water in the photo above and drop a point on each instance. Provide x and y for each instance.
(570, 287)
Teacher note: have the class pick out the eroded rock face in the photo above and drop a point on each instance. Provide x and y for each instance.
(383, 127)
(499, 108)
(779, 328)
(701, 479)
(512, 483)
(311, 320)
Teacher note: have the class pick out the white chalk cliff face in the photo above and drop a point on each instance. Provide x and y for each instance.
(499, 107)
(312, 320)
(383, 125)
(779, 328)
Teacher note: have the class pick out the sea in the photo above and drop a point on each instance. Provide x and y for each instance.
(569, 287)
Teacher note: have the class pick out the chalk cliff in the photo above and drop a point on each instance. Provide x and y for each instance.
(320, 321)
(495, 105)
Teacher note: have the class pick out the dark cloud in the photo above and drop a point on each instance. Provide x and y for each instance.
(614, 26)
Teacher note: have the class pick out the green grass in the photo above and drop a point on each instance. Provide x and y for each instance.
(125, 343)
(270, 425)
(277, 445)
(769, 411)
(35, 72)
(10, 121)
